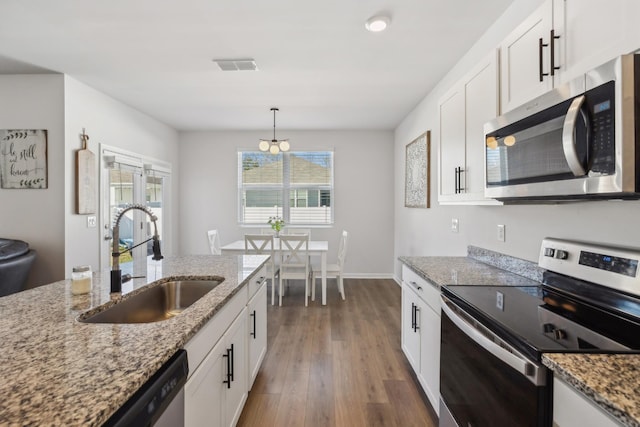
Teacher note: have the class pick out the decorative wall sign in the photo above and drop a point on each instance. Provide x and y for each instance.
(85, 178)
(417, 179)
(23, 158)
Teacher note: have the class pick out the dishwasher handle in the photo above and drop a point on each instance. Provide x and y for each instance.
(503, 351)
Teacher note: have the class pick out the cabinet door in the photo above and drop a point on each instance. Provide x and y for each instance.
(430, 355)
(203, 393)
(595, 32)
(410, 334)
(257, 332)
(481, 105)
(572, 409)
(452, 140)
(235, 340)
(520, 59)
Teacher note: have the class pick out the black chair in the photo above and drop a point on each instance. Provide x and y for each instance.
(16, 260)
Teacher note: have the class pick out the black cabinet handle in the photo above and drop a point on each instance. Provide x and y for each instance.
(232, 369)
(459, 188)
(228, 355)
(552, 42)
(414, 317)
(253, 334)
(541, 46)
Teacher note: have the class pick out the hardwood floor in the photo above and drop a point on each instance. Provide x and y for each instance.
(337, 365)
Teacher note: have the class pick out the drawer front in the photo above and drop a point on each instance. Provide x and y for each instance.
(256, 281)
(428, 292)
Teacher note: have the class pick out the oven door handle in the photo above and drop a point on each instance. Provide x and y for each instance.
(530, 370)
(569, 137)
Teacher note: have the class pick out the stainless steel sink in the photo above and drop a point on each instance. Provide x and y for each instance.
(155, 303)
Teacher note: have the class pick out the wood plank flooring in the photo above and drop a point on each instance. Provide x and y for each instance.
(339, 364)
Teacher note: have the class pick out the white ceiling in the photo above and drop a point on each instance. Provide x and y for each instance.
(316, 61)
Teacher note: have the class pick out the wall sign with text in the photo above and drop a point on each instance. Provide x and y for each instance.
(23, 158)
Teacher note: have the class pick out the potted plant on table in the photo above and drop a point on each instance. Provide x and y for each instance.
(276, 223)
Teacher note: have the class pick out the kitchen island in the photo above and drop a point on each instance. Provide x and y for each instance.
(59, 371)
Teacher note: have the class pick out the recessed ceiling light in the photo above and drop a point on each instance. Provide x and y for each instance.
(377, 23)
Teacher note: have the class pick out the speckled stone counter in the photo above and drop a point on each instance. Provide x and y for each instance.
(60, 372)
(609, 380)
(442, 271)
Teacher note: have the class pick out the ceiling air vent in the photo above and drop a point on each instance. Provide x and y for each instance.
(236, 64)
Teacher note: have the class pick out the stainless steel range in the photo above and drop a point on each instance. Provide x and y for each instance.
(493, 337)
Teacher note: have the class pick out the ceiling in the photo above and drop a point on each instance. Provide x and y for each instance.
(316, 61)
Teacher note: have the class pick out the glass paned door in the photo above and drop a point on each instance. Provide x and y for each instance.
(124, 187)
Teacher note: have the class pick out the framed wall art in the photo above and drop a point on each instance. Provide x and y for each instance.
(417, 181)
(23, 158)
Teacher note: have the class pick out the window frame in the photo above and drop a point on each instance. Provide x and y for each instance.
(285, 189)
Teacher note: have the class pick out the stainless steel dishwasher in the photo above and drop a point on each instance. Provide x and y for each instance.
(160, 401)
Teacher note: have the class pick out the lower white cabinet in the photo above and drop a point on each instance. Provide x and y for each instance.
(216, 392)
(225, 357)
(421, 332)
(257, 331)
(572, 409)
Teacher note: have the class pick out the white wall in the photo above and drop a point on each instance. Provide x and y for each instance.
(427, 231)
(363, 192)
(108, 121)
(36, 216)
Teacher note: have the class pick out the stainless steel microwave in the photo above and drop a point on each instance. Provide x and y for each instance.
(579, 141)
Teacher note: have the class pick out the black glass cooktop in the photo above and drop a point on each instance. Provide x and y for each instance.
(543, 319)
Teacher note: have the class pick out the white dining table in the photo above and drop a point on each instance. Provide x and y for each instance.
(316, 248)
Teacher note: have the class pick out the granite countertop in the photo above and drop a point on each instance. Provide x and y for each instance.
(442, 271)
(58, 371)
(610, 381)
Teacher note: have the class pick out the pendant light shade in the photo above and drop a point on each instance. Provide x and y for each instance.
(274, 146)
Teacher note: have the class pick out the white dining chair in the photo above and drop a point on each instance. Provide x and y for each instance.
(262, 244)
(214, 242)
(294, 261)
(333, 270)
(295, 231)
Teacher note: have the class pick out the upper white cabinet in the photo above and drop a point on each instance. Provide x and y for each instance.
(530, 59)
(463, 111)
(561, 40)
(595, 31)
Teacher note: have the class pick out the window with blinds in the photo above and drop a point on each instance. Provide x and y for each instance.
(296, 186)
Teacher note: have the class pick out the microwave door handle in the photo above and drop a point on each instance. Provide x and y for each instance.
(569, 137)
(532, 372)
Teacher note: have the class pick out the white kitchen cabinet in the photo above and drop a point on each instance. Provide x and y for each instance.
(572, 409)
(587, 33)
(203, 393)
(526, 60)
(463, 111)
(216, 392)
(596, 31)
(257, 332)
(421, 332)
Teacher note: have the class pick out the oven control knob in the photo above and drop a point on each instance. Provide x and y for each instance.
(560, 254)
(549, 252)
(559, 334)
(548, 328)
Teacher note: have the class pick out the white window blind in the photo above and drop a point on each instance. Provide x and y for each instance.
(297, 186)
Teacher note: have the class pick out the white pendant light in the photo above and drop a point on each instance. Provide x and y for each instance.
(274, 146)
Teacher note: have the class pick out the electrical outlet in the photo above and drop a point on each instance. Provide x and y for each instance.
(91, 221)
(454, 225)
(501, 232)
(500, 301)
